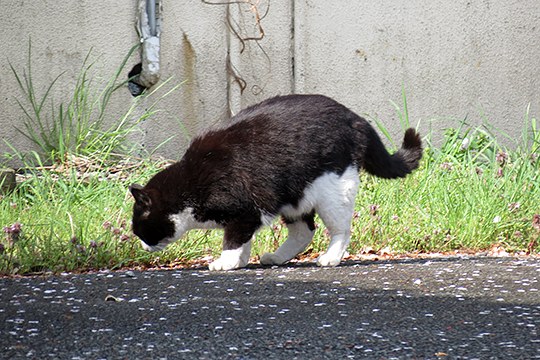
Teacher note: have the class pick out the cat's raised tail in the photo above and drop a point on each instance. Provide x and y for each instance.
(378, 162)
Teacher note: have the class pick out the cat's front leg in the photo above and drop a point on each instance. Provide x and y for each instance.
(232, 259)
(236, 245)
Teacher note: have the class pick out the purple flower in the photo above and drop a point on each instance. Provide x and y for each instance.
(373, 209)
(13, 232)
(514, 206)
(14, 229)
(80, 249)
(501, 157)
(536, 222)
(446, 166)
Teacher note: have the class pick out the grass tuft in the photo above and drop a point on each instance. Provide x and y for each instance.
(80, 124)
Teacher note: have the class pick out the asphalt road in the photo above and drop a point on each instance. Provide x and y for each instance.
(453, 308)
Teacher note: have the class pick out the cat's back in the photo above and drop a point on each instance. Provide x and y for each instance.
(284, 126)
(291, 118)
(297, 108)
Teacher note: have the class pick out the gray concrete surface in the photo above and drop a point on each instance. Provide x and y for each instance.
(477, 59)
(454, 308)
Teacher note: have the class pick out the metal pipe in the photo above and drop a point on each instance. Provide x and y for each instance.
(151, 12)
(149, 28)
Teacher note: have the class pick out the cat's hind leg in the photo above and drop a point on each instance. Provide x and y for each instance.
(336, 213)
(300, 234)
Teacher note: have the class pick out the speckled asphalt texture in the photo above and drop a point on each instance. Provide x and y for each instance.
(454, 308)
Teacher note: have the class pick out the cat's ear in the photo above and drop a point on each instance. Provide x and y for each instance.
(140, 195)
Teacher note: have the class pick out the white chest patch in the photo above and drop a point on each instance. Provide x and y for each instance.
(185, 221)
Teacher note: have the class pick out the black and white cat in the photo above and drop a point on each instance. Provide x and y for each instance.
(292, 156)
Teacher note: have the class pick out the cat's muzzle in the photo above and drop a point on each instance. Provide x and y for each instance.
(153, 248)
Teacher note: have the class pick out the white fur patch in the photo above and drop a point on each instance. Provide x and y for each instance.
(232, 259)
(183, 222)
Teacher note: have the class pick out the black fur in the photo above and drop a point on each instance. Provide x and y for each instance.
(263, 161)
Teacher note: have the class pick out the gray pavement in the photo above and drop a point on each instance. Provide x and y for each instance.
(441, 308)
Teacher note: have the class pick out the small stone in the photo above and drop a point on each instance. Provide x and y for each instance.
(113, 298)
(7, 181)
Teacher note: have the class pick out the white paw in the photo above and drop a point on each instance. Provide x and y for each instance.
(222, 264)
(328, 260)
(271, 259)
(232, 259)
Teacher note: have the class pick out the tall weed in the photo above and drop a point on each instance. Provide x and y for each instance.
(79, 124)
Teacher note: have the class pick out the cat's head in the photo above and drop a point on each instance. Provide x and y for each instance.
(151, 222)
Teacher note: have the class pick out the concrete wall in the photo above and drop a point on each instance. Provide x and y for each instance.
(466, 58)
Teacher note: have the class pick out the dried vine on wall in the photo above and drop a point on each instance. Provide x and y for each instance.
(241, 35)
